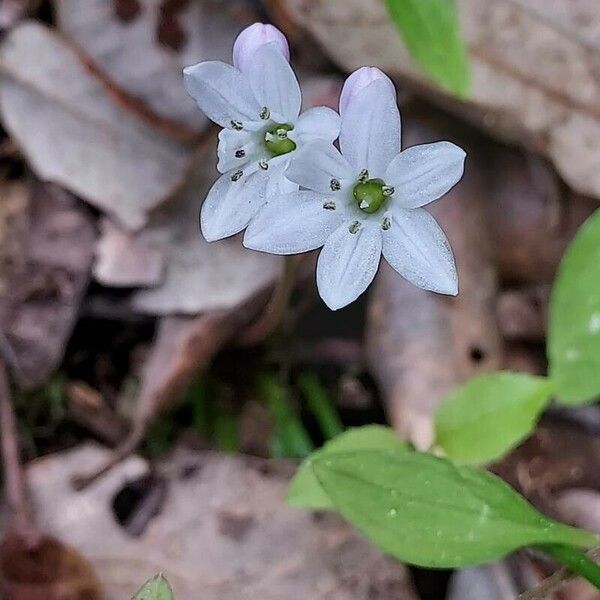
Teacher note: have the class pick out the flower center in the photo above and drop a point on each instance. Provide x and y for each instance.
(277, 141)
(371, 194)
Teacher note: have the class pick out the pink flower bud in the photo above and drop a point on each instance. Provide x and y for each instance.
(252, 38)
(360, 79)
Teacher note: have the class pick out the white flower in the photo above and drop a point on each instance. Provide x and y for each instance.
(257, 102)
(365, 200)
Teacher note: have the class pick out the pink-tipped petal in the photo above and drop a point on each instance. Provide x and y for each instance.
(252, 38)
(360, 79)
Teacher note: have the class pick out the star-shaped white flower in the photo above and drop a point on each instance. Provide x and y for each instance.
(365, 200)
(257, 102)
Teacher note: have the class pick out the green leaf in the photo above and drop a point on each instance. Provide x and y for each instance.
(429, 512)
(157, 588)
(574, 327)
(305, 491)
(431, 33)
(489, 415)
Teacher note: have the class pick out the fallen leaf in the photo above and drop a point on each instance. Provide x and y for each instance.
(189, 275)
(224, 533)
(12, 11)
(46, 246)
(534, 216)
(75, 131)
(143, 49)
(523, 312)
(534, 68)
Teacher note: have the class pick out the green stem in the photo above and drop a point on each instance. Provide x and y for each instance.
(576, 561)
(320, 405)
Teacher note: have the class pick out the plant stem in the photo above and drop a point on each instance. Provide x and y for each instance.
(576, 561)
(276, 308)
(321, 405)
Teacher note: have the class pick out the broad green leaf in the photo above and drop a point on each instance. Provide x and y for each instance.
(431, 33)
(157, 588)
(429, 512)
(489, 415)
(574, 327)
(306, 492)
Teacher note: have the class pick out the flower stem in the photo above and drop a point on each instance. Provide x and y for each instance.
(276, 308)
(576, 561)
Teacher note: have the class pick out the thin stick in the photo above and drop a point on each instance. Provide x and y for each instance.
(553, 583)
(15, 488)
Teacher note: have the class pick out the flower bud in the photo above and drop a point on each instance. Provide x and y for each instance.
(360, 79)
(252, 38)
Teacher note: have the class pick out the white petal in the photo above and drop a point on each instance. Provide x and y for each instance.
(315, 165)
(231, 142)
(222, 92)
(319, 123)
(274, 83)
(418, 249)
(348, 263)
(360, 79)
(279, 184)
(422, 174)
(293, 223)
(252, 38)
(370, 132)
(230, 205)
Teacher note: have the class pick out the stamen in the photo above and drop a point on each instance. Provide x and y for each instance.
(387, 190)
(335, 185)
(363, 176)
(240, 153)
(386, 223)
(265, 113)
(354, 227)
(237, 125)
(282, 134)
(237, 175)
(263, 164)
(329, 205)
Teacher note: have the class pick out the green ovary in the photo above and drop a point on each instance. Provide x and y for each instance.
(369, 195)
(276, 139)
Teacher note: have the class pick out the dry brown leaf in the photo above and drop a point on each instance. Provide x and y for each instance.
(223, 533)
(189, 274)
(535, 68)
(51, 571)
(143, 47)
(534, 217)
(74, 130)
(46, 248)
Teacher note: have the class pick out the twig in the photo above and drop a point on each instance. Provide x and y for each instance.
(15, 488)
(554, 582)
